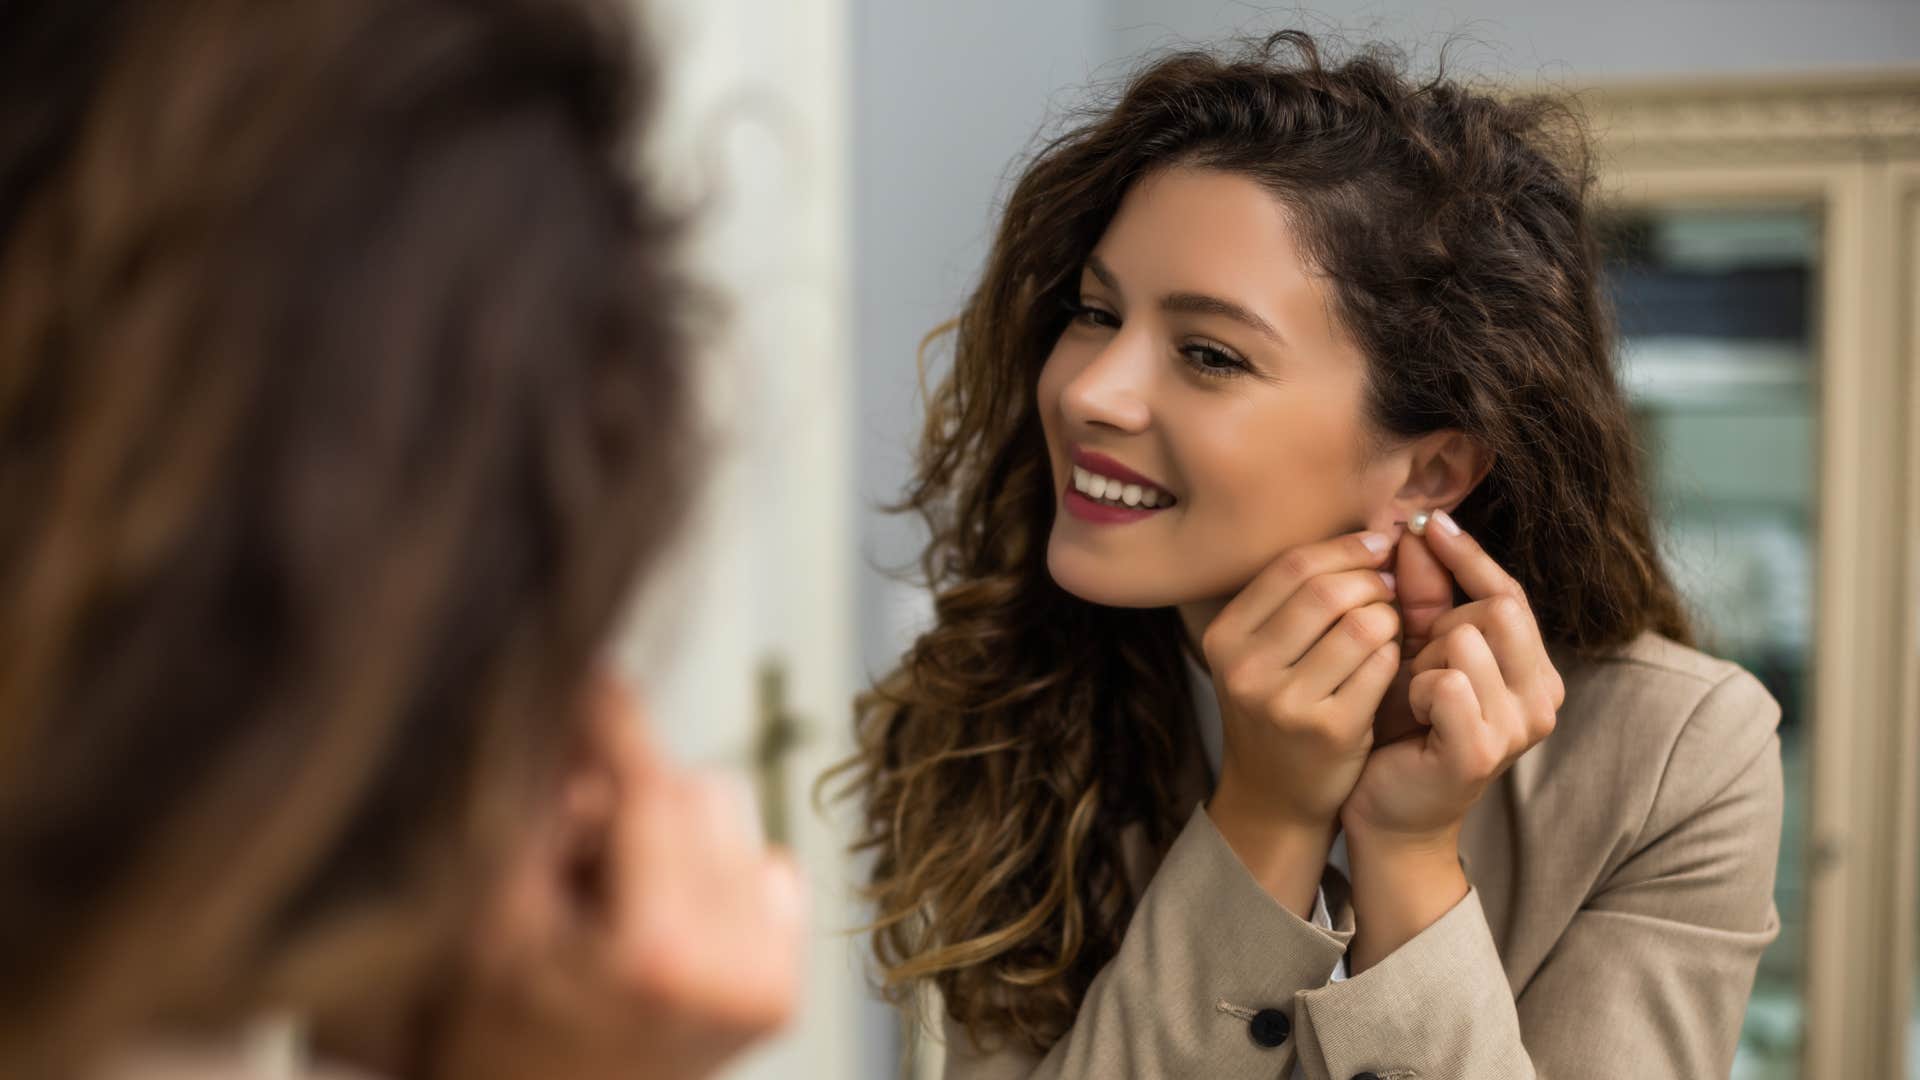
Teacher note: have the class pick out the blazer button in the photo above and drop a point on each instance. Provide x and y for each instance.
(1270, 1028)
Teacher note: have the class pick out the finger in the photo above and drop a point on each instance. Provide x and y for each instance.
(1369, 682)
(1479, 576)
(751, 909)
(1351, 641)
(1420, 695)
(1456, 735)
(1504, 734)
(652, 824)
(682, 880)
(784, 911)
(764, 949)
(675, 824)
(786, 891)
(706, 922)
(1274, 584)
(743, 811)
(1393, 719)
(1328, 606)
(1509, 628)
(1467, 651)
(729, 812)
(1424, 588)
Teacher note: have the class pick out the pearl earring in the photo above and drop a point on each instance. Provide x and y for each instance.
(1417, 525)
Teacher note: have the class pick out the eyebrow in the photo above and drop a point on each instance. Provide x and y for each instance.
(1194, 303)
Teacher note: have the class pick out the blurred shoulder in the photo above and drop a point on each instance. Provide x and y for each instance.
(252, 1055)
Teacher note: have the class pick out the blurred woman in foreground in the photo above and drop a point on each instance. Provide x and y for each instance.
(343, 405)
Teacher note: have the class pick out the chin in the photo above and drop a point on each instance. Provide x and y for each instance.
(1099, 581)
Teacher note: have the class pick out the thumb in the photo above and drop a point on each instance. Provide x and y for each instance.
(1424, 589)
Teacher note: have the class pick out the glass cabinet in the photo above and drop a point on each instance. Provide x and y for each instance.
(1762, 247)
(1716, 309)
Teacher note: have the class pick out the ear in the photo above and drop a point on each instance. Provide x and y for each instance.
(555, 870)
(1443, 468)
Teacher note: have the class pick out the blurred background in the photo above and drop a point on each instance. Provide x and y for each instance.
(1762, 176)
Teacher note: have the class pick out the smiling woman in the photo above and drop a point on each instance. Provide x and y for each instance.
(1284, 502)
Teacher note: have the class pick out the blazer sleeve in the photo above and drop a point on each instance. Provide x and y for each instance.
(1208, 958)
(1651, 977)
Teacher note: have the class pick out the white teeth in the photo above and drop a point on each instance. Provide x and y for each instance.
(1095, 486)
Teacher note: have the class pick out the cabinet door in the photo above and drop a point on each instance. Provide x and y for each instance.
(1716, 306)
(1766, 245)
(1904, 841)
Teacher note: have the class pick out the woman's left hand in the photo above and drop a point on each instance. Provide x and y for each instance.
(1482, 686)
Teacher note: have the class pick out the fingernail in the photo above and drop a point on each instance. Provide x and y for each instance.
(1446, 523)
(1377, 543)
(1388, 578)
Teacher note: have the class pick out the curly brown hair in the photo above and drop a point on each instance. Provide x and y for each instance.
(1001, 761)
(342, 403)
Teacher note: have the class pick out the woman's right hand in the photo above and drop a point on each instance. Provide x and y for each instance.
(1300, 659)
(646, 934)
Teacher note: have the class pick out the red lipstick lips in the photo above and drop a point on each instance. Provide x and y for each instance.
(1106, 466)
(1094, 511)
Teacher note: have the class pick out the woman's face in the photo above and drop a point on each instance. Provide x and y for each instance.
(1206, 362)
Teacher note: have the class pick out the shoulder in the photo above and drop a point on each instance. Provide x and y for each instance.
(1654, 686)
(1660, 719)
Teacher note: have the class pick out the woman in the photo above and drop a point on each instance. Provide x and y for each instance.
(343, 402)
(1283, 501)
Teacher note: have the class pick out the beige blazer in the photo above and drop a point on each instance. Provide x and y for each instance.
(1621, 894)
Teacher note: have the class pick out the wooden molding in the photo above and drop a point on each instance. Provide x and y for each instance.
(1732, 121)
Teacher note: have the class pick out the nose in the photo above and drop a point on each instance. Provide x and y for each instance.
(1111, 390)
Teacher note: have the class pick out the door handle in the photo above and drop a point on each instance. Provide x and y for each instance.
(776, 735)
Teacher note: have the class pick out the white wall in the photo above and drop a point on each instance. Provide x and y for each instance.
(1565, 39)
(944, 96)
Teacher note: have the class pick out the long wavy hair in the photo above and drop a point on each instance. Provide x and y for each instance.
(342, 404)
(1000, 763)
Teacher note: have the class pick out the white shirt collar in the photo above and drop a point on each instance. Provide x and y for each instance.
(1206, 711)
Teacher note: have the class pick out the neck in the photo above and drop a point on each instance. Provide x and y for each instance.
(1194, 618)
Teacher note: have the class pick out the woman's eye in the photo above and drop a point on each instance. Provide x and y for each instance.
(1084, 312)
(1213, 362)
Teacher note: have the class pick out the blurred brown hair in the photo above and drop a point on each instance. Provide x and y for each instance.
(341, 404)
(1001, 764)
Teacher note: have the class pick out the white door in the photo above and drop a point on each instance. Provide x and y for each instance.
(752, 133)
